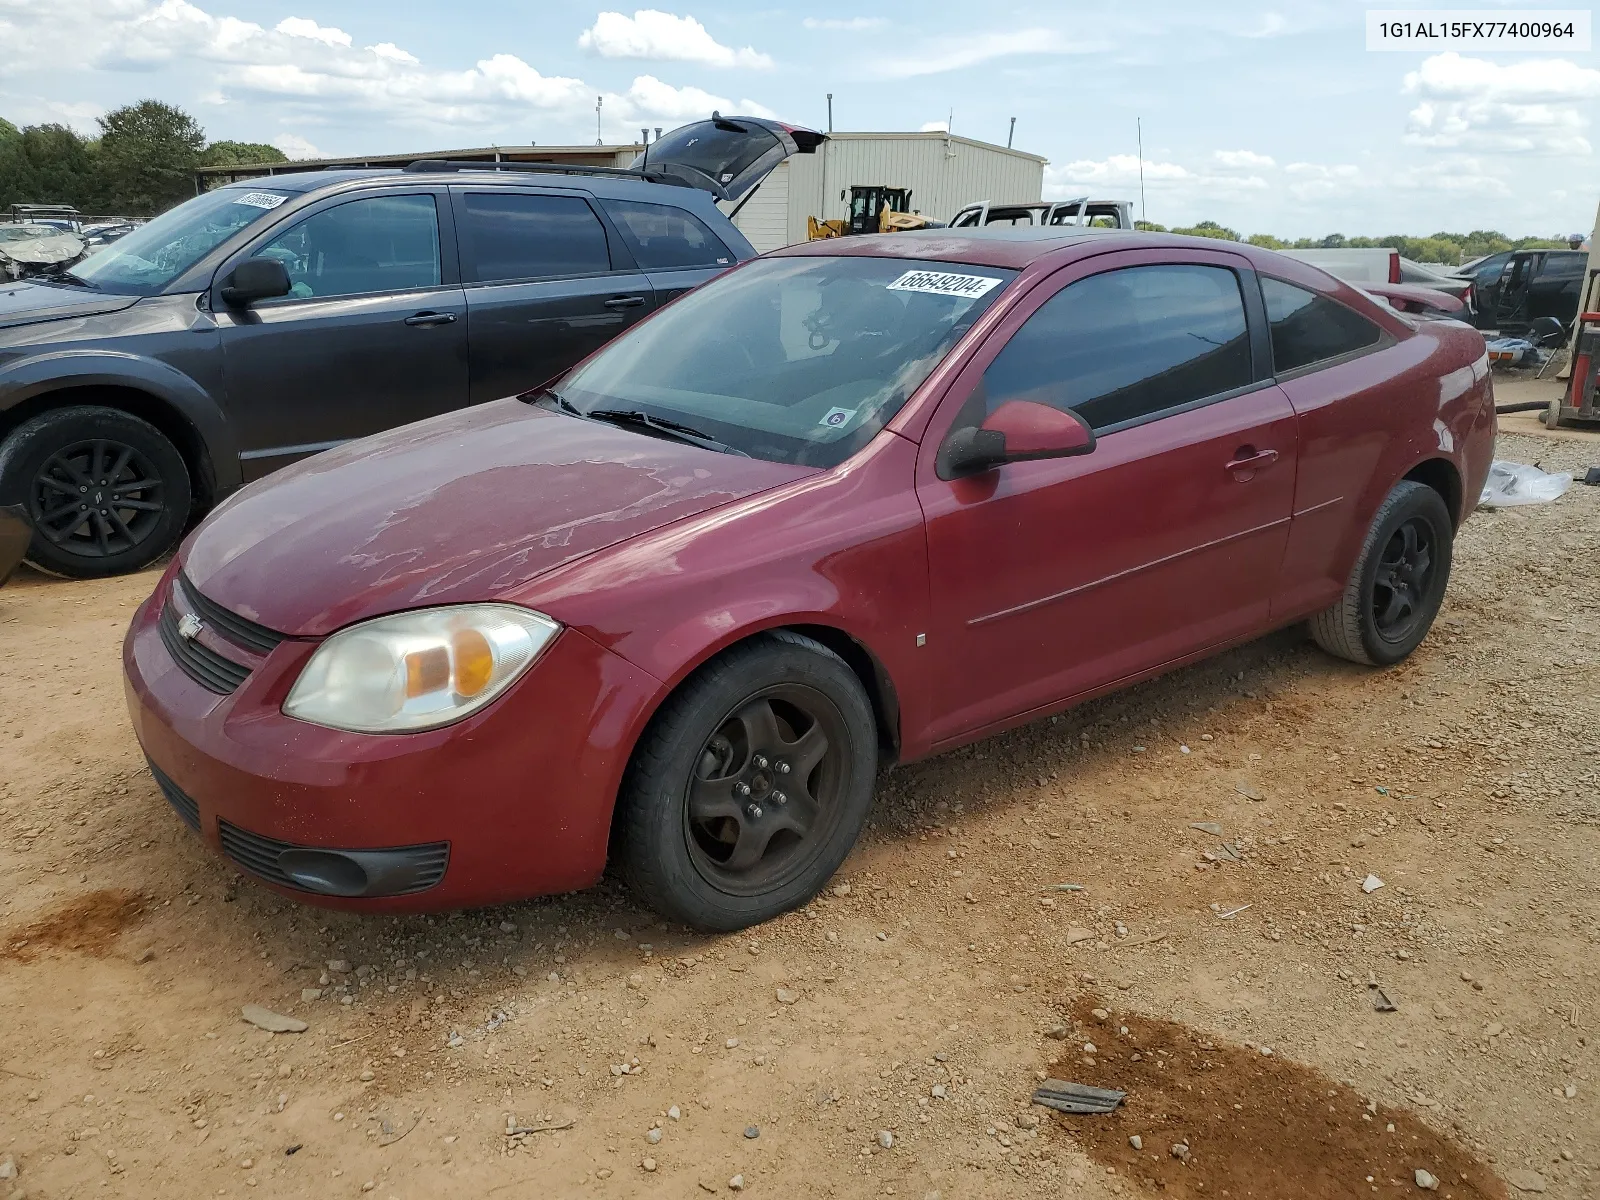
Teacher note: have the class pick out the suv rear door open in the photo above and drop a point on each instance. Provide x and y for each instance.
(726, 156)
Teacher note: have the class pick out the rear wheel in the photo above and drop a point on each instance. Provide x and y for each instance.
(106, 492)
(751, 785)
(1398, 582)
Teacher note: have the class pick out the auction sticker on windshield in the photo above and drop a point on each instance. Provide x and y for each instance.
(943, 283)
(261, 199)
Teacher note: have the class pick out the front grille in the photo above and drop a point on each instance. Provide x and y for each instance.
(259, 855)
(239, 630)
(200, 663)
(185, 806)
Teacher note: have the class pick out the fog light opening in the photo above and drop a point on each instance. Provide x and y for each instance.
(325, 871)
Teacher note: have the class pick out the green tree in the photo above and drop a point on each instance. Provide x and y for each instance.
(149, 151)
(233, 154)
(1208, 229)
(1267, 241)
(1149, 227)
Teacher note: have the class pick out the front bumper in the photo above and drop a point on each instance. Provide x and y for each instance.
(513, 802)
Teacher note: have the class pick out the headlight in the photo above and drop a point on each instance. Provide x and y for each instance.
(418, 670)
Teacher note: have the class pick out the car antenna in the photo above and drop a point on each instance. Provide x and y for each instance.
(644, 163)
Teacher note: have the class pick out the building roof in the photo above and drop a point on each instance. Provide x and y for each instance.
(580, 156)
(934, 135)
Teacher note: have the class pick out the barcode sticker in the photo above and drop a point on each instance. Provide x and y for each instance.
(944, 283)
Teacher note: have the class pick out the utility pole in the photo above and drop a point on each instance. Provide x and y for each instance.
(1139, 126)
(598, 101)
(1011, 133)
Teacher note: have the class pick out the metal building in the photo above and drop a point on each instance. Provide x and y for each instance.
(943, 171)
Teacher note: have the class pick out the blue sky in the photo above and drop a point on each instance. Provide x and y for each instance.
(1267, 118)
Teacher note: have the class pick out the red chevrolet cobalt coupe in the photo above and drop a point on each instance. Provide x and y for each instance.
(847, 504)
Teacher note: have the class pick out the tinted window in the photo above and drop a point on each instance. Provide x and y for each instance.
(1129, 343)
(1308, 328)
(1565, 266)
(510, 236)
(720, 149)
(381, 244)
(798, 360)
(661, 236)
(1488, 271)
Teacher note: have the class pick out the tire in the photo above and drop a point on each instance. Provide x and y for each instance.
(699, 852)
(1397, 584)
(88, 450)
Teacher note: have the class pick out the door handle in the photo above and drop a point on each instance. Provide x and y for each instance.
(431, 318)
(1247, 460)
(625, 302)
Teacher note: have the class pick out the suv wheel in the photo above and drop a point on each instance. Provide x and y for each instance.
(1398, 582)
(106, 492)
(751, 785)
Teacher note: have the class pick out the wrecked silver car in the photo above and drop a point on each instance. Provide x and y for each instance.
(30, 249)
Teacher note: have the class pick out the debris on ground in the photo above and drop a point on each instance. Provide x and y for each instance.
(1380, 999)
(1514, 483)
(1076, 1097)
(1211, 827)
(1425, 1180)
(265, 1018)
(1371, 884)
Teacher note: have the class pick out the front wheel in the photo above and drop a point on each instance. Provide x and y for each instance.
(1398, 582)
(750, 786)
(106, 493)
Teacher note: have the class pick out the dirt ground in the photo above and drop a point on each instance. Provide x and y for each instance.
(884, 1041)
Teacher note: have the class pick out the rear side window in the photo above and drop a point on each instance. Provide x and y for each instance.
(662, 236)
(363, 247)
(509, 236)
(1309, 329)
(1128, 344)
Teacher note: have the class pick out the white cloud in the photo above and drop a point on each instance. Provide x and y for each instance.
(393, 53)
(1242, 159)
(296, 146)
(952, 54)
(852, 24)
(650, 33)
(315, 74)
(304, 27)
(935, 127)
(1528, 107)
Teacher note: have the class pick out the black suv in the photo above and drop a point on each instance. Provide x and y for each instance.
(268, 320)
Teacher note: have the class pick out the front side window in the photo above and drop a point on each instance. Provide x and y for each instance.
(361, 247)
(662, 237)
(798, 360)
(1127, 344)
(157, 252)
(1308, 328)
(507, 235)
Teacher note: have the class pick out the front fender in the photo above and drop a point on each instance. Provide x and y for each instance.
(53, 369)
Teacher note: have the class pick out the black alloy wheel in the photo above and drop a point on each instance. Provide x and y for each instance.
(765, 790)
(105, 491)
(1397, 583)
(97, 498)
(1403, 580)
(750, 785)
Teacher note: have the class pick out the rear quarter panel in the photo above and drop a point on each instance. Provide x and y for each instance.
(1365, 425)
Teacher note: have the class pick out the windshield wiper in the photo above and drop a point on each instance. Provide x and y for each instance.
(674, 429)
(567, 406)
(68, 277)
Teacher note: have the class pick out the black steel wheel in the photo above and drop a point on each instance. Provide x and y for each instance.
(1397, 584)
(750, 786)
(106, 492)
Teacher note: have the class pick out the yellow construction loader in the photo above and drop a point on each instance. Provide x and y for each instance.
(875, 209)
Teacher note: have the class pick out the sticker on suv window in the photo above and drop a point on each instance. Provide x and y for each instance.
(943, 283)
(836, 418)
(261, 199)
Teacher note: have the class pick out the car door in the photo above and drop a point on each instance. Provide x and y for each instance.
(372, 334)
(1556, 284)
(546, 284)
(1053, 578)
(676, 250)
(1486, 288)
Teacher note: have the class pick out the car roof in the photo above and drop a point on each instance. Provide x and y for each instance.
(1012, 247)
(302, 182)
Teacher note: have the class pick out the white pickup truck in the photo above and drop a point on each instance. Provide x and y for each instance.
(1099, 214)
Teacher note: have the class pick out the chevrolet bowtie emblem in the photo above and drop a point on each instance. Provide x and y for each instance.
(189, 627)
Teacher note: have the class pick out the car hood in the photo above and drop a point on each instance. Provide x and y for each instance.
(23, 303)
(468, 506)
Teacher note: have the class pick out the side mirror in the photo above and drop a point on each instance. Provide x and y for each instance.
(1017, 431)
(255, 279)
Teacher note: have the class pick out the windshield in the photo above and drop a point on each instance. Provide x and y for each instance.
(153, 255)
(795, 360)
